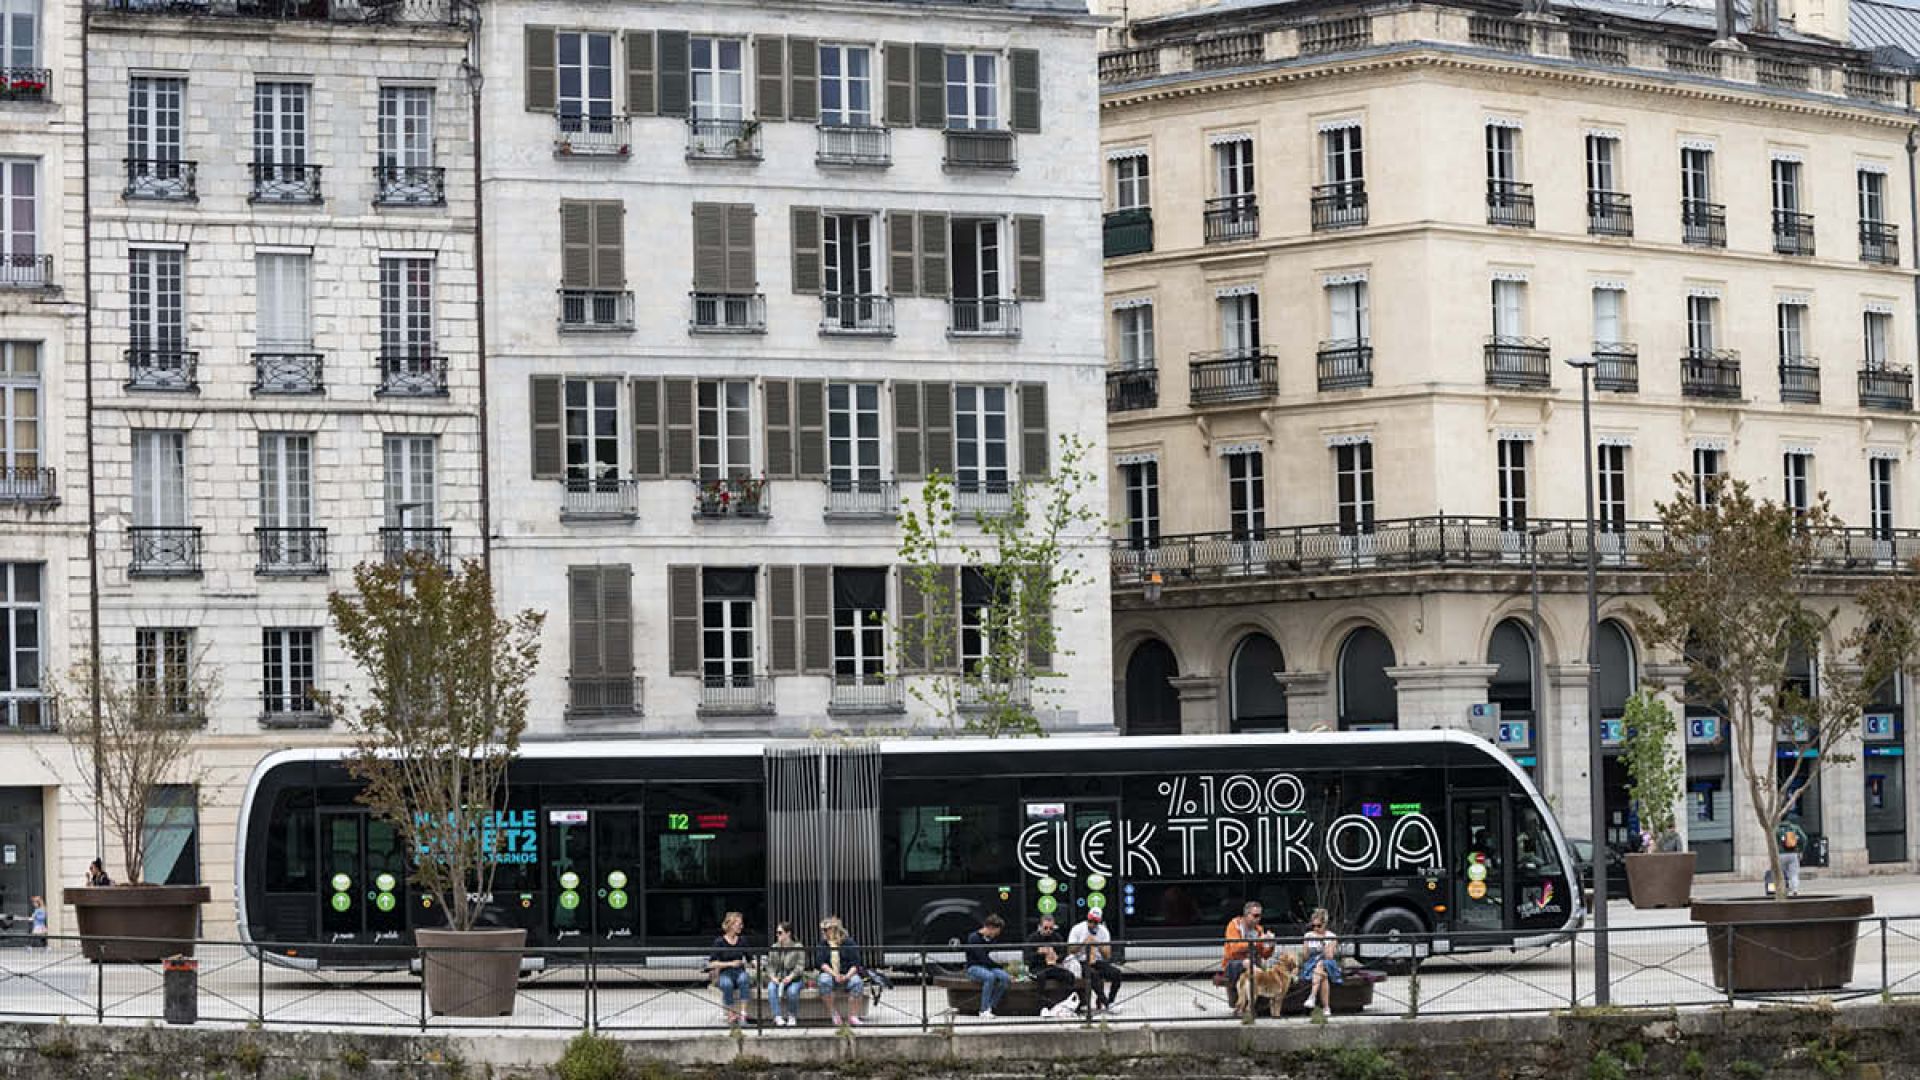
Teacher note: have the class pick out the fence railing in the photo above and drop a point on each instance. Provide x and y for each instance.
(283, 182)
(853, 497)
(1232, 375)
(1710, 373)
(599, 498)
(291, 552)
(412, 375)
(433, 541)
(588, 135)
(1703, 224)
(1339, 206)
(25, 83)
(1230, 217)
(1609, 213)
(1344, 365)
(1800, 380)
(596, 309)
(988, 317)
(1617, 367)
(407, 12)
(410, 185)
(288, 372)
(160, 178)
(1510, 202)
(24, 270)
(864, 314)
(980, 149)
(597, 696)
(1133, 388)
(29, 484)
(1879, 243)
(722, 140)
(164, 550)
(849, 144)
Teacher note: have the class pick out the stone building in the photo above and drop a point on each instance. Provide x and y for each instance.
(1350, 251)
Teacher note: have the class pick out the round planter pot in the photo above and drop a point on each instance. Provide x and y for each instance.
(1804, 943)
(137, 924)
(470, 972)
(1660, 879)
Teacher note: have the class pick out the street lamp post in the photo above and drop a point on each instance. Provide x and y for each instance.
(1595, 763)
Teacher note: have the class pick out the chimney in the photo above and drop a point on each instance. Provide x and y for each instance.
(1820, 18)
(1766, 17)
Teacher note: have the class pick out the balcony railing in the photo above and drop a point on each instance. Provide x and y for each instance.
(1886, 388)
(1129, 65)
(728, 313)
(1497, 32)
(867, 694)
(979, 692)
(1228, 51)
(736, 695)
(1232, 375)
(1597, 47)
(26, 83)
(409, 185)
(1703, 224)
(1127, 232)
(1693, 60)
(293, 711)
(973, 148)
(1133, 388)
(288, 373)
(412, 375)
(173, 370)
(1800, 380)
(1710, 373)
(386, 12)
(26, 710)
(722, 140)
(23, 271)
(1336, 35)
(862, 499)
(1780, 74)
(29, 484)
(991, 317)
(148, 178)
(732, 497)
(579, 135)
(1879, 242)
(284, 183)
(1792, 233)
(1520, 363)
(1339, 206)
(1872, 86)
(1510, 203)
(1231, 217)
(1345, 365)
(291, 552)
(599, 498)
(164, 551)
(589, 310)
(848, 144)
(862, 316)
(598, 696)
(1616, 367)
(435, 542)
(1609, 213)
(983, 498)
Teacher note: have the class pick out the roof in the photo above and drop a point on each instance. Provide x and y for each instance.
(1884, 25)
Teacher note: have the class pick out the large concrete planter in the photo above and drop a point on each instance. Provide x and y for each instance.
(1762, 946)
(1660, 879)
(137, 924)
(470, 972)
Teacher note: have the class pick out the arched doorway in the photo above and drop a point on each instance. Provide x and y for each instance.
(1617, 678)
(1153, 705)
(1511, 688)
(1368, 698)
(1258, 701)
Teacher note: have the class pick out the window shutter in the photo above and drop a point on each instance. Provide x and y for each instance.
(641, 97)
(810, 428)
(913, 608)
(908, 461)
(783, 638)
(1023, 69)
(646, 429)
(1039, 653)
(609, 244)
(903, 255)
(899, 102)
(936, 413)
(709, 247)
(739, 238)
(770, 55)
(576, 244)
(816, 612)
(549, 447)
(672, 86)
(946, 626)
(1034, 444)
(806, 250)
(930, 85)
(933, 254)
(583, 615)
(779, 394)
(679, 427)
(803, 79)
(616, 624)
(1030, 237)
(683, 613)
(542, 73)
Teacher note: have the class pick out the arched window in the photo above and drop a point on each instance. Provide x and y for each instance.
(1259, 701)
(1511, 687)
(1368, 698)
(1153, 705)
(1618, 675)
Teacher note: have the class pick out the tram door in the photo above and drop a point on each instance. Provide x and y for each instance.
(1481, 872)
(1084, 849)
(593, 875)
(363, 879)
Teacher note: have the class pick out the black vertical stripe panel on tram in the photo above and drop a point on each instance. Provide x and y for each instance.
(823, 838)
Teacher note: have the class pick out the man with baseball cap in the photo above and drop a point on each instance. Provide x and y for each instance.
(1090, 956)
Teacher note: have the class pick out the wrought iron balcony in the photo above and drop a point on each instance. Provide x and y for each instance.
(599, 498)
(1339, 206)
(377, 12)
(26, 710)
(1800, 380)
(1886, 387)
(722, 140)
(1231, 375)
(853, 145)
(855, 695)
(291, 552)
(1703, 224)
(1133, 388)
(1510, 202)
(591, 697)
(1792, 233)
(1609, 213)
(284, 183)
(850, 499)
(412, 375)
(1520, 363)
(983, 498)
(1231, 217)
(24, 271)
(728, 313)
(736, 695)
(1879, 242)
(1346, 364)
(974, 148)
(732, 497)
(577, 135)
(1710, 373)
(991, 317)
(164, 551)
(1616, 367)
(173, 370)
(979, 692)
(1127, 232)
(434, 542)
(26, 83)
(293, 711)
(409, 185)
(288, 373)
(856, 315)
(596, 310)
(150, 178)
(29, 484)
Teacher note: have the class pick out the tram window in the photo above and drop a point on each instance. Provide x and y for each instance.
(1200, 907)
(712, 836)
(289, 848)
(1533, 844)
(950, 844)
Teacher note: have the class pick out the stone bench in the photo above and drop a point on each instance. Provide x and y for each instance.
(1023, 996)
(1354, 994)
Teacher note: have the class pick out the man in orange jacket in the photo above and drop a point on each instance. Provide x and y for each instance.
(1248, 943)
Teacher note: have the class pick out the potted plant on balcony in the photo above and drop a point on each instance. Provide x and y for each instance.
(436, 726)
(1662, 875)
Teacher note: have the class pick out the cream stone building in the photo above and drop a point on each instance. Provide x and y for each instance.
(1350, 250)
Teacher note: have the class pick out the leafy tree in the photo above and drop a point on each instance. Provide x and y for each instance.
(1655, 769)
(444, 709)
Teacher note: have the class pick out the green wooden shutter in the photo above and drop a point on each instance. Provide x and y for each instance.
(647, 463)
(609, 244)
(1030, 242)
(1034, 444)
(899, 85)
(616, 624)
(739, 239)
(709, 247)
(576, 244)
(930, 85)
(770, 67)
(936, 414)
(683, 617)
(1023, 68)
(679, 427)
(816, 614)
(673, 88)
(806, 250)
(803, 79)
(903, 254)
(908, 461)
(913, 608)
(549, 446)
(783, 624)
(946, 621)
(583, 621)
(933, 254)
(543, 81)
(642, 89)
(1039, 651)
(810, 428)
(779, 395)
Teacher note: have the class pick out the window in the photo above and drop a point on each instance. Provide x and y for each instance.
(20, 659)
(1791, 320)
(726, 627)
(980, 439)
(1876, 335)
(1696, 175)
(846, 256)
(859, 625)
(1240, 324)
(1353, 487)
(1512, 469)
(1786, 186)
(154, 107)
(286, 481)
(159, 479)
(1609, 316)
(1703, 314)
(1233, 167)
(1708, 467)
(156, 300)
(287, 670)
(1880, 497)
(1347, 315)
(172, 848)
(1503, 150)
(1509, 309)
(584, 69)
(1135, 331)
(846, 86)
(410, 463)
(406, 307)
(725, 428)
(1247, 494)
(1341, 158)
(1603, 162)
(19, 415)
(162, 663)
(1132, 188)
(977, 270)
(20, 221)
(284, 284)
(1796, 469)
(1142, 480)
(853, 436)
(19, 35)
(973, 91)
(719, 81)
(280, 125)
(1611, 487)
(976, 600)
(406, 127)
(1872, 186)
(592, 431)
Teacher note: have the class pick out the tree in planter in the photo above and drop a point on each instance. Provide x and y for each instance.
(1024, 560)
(444, 708)
(1655, 769)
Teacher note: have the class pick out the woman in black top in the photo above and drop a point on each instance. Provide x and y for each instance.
(729, 966)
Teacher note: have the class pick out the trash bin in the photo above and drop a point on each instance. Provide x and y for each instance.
(180, 990)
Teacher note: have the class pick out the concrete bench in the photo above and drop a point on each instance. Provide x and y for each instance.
(1354, 994)
(1023, 997)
